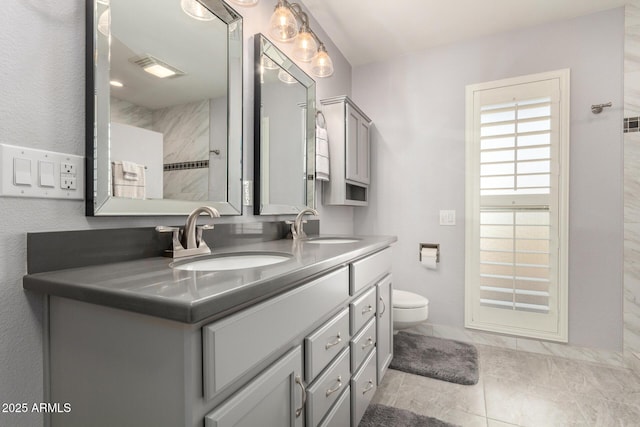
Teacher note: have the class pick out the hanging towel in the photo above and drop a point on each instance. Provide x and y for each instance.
(130, 184)
(322, 154)
(130, 170)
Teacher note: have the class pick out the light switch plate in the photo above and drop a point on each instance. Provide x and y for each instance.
(27, 172)
(447, 217)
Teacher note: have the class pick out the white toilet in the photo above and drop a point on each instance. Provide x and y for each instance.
(409, 309)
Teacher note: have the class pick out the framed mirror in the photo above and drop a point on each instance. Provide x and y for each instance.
(284, 134)
(164, 107)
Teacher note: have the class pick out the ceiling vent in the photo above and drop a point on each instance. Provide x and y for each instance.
(156, 67)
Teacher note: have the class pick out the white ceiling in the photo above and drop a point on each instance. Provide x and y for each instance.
(376, 30)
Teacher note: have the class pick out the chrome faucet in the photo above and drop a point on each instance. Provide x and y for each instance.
(297, 224)
(189, 242)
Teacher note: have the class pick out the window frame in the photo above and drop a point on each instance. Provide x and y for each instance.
(560, 167)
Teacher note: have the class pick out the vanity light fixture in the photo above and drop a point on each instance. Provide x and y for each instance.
(246, 3)
(283, 26)
(156, 67)
(195, 10)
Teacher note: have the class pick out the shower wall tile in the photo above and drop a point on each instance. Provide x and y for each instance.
(186, 131)
(631, 308)
(631, 177)
(131, 114)
(189, 184)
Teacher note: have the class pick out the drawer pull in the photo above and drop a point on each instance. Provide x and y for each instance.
(367, 309)
(367, 343)
(384, 306)
(304, 395)
(336, 388)
(333, 343)
(368, 387)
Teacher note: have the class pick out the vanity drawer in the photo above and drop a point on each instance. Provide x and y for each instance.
(325, 343)
(340, 415)
(368, 270)
(363, 387)
(362, 344)
(362, 309)
(327, 389)
(236, 344)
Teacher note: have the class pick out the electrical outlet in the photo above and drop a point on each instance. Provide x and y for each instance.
(68, 181)
(68, 168)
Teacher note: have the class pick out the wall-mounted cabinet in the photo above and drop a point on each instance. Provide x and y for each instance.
(349, 150)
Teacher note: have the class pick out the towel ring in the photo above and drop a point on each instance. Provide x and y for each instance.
(323, 123)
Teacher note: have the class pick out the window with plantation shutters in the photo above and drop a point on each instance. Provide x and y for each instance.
(516, 193)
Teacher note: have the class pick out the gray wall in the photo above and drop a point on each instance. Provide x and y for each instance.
(42, 106)
(417, 104)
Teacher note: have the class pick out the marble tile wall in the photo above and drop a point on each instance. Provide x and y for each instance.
(186, 139)
(631, 309)
(185, 130)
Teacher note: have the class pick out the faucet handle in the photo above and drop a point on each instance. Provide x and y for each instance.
(199, 229)
(176, 235)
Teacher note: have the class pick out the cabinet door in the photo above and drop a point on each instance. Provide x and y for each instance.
(363, 151)
(384, 325)
(353, 120)
(275, 398)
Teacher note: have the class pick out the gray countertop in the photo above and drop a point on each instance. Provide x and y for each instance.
(150, 286)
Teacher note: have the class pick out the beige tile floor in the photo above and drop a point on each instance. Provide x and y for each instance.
(522, 389)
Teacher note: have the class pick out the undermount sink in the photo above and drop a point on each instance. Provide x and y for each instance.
(331, 240)
(231, 261)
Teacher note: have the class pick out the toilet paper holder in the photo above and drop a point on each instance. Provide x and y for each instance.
(435, 246)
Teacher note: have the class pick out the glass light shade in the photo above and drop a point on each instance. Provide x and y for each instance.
(285, 77)
(305, 47)
(283, 25)
(104, 22)
(245, 2)
(196, 11)
(268, 64)
(322, 65)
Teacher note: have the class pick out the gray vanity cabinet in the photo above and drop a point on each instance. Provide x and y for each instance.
(348, 130)
(310, 356)
(274, 398)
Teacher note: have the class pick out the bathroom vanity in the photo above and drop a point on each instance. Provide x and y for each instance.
(303, 342)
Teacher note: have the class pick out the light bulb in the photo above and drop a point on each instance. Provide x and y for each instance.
(305, 47)
(283, 25)
(195, 10)
(322, 65)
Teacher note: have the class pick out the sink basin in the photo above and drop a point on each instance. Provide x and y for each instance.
(331, 240)
(231, 261)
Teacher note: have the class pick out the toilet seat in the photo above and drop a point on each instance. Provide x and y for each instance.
(404, 299)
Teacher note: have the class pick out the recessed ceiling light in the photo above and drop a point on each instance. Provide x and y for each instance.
(116, 83)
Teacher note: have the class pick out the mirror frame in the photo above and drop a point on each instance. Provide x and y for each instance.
(262, 45)
(99, 201)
